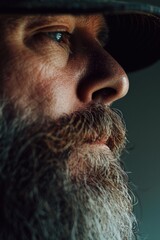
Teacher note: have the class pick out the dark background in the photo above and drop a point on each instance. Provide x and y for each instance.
(141, 110)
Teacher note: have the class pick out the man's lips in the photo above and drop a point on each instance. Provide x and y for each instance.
(99, 141)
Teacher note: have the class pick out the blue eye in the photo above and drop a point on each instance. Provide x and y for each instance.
(59, 36)
(56, 36)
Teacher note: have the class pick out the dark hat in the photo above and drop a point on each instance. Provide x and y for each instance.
(134, 28)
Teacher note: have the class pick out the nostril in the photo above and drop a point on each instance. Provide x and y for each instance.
(104, 95)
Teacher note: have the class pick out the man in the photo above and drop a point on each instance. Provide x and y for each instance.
(60, 174)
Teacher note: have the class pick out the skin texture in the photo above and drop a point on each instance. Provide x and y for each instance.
(60, 141)
(50, 78)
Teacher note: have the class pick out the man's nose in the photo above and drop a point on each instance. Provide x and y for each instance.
(104, 80)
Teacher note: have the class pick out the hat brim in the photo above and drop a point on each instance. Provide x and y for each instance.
(78, 6)
(134, 39)
(134, 29)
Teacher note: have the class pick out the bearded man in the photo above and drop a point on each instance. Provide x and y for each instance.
(60, 141)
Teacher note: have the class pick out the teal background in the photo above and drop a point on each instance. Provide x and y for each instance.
(141, 110)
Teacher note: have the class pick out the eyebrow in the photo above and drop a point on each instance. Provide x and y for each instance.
(42, 20)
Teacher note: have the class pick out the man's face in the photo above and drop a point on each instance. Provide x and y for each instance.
(63, 143)
(51, 65)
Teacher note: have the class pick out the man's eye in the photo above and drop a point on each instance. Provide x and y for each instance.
(59, 37)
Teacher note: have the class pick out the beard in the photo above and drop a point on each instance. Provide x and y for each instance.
(63, 179)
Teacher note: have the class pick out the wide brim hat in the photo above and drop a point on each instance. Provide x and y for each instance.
(134, 28)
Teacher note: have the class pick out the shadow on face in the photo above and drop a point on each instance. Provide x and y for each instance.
(52, 65)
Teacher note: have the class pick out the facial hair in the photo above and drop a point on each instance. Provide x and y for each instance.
(57, 181)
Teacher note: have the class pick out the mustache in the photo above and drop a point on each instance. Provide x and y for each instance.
(96, 123)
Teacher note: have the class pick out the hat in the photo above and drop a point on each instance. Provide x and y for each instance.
(134, 28)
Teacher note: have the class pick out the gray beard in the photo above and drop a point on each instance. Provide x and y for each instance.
(54, 186)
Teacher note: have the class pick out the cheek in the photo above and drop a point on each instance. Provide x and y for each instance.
(31, 73)
(56, 93)
(41, 88)
(58, 60)
(44, 84)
